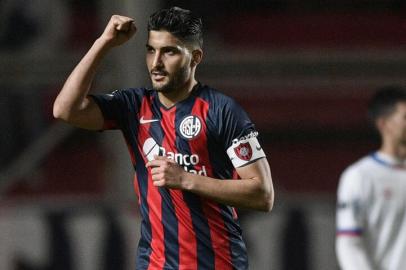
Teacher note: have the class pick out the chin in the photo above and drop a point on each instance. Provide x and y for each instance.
(160, 88)
(164, 87)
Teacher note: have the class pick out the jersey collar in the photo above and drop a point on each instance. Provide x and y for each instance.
(193, 92)
(388, 161)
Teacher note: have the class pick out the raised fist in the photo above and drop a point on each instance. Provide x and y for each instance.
(119, 30)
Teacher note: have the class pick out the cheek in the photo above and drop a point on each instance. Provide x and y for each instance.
(173, 66)
(394, 126)
(148, 62)
(398, 127)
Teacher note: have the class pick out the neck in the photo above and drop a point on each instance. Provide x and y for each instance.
(395, 150)
(168, 99)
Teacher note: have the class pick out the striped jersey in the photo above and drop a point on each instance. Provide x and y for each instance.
(371, 204)
(208, 134)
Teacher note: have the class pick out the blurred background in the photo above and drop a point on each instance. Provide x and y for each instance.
(303, 70)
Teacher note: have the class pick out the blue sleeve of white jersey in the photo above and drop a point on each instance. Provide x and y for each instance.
(239, 135)
(117, 106)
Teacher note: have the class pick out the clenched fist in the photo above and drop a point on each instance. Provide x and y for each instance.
(119, 30)
(167, 173)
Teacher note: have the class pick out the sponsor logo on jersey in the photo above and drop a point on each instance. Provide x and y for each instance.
(147, 121)
(190, 163)
(352, 206)
(387, 193)
(252, 134)
(243, 151)
(342, 205)
(190, 127)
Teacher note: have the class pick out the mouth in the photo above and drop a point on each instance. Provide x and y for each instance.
(158, 75)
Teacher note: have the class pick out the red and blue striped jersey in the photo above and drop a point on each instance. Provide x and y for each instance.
(209, 134)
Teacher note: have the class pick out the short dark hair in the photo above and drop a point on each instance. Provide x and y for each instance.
(384, 101)
(181, 23)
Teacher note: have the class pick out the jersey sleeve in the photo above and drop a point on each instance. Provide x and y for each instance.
(239, 135)
(351, 203)
(352, 254)
(117, 106)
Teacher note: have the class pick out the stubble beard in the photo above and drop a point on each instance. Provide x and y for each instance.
(175, 82)
(403, 139)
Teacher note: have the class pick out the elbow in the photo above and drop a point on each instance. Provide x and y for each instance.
(266, 203)
(267, 195)
(269, 205)
(59, 113)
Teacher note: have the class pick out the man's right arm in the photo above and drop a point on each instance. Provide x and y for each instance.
(351, 249)
(72, 104)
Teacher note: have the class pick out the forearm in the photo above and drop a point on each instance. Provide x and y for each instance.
(351, 254)
(72, 104)
(254, 190)
(245, 193)
(72, 97)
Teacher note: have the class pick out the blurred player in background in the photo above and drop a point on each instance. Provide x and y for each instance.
(371, 205)
(195, 151)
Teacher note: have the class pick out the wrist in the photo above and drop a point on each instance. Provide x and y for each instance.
(187, 181)
(103, 44)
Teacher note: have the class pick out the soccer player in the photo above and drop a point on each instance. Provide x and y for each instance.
(194, 150)
(371, 205)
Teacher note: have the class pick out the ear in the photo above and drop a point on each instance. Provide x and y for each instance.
(380, 124)
(197, 56)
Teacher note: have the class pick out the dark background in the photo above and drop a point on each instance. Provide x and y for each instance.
(303, 70)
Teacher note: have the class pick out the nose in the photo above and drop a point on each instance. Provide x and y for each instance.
(157, 60)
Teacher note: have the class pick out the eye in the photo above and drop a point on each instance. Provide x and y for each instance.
(170, 51)
(150, 50)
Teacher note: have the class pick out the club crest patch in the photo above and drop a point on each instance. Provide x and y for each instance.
(243, 151)
(190, 127)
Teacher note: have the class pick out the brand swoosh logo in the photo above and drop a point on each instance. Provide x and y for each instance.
(147, 121)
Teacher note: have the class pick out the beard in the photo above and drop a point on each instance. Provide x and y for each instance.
(403, 138)
(174, 81)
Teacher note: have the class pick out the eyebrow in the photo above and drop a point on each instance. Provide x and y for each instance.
(176, 48)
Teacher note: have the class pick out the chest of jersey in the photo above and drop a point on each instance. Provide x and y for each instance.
(179, 133)
(387, 200)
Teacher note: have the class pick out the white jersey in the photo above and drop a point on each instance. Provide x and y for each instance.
(372, 206)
